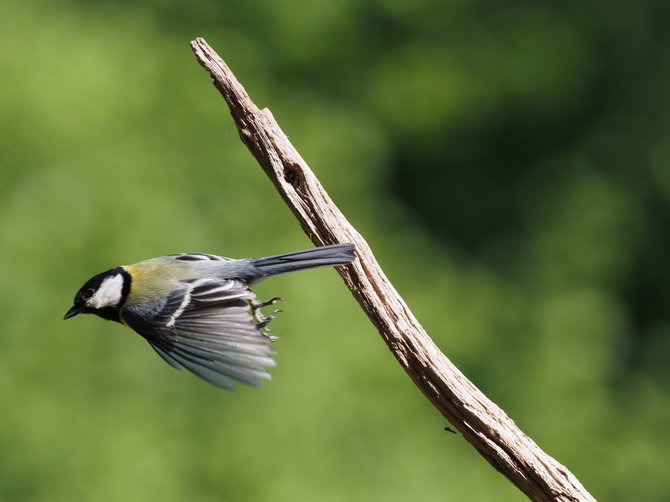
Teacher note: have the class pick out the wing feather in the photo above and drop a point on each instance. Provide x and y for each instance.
(166, 357)
(205, 327)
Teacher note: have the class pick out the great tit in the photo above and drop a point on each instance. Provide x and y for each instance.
(197, 311)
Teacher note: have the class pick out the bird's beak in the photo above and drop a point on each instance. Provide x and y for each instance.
(74, 310)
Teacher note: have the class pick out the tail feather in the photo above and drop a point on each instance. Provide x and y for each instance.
(335, 254)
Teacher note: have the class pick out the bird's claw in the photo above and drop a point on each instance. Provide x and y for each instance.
(263, 320)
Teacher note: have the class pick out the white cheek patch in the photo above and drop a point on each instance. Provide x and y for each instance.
(108, 294)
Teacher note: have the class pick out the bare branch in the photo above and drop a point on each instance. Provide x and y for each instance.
(479, 420)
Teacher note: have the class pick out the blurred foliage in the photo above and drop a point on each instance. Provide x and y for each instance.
(508, 162)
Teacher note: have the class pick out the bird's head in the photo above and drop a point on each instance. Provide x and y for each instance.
(103, 295)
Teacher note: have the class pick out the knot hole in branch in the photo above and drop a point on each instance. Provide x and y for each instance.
(293, 175)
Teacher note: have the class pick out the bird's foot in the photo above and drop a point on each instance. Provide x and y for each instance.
(263, 320)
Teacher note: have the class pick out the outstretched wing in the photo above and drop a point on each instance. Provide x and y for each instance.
(205, 326)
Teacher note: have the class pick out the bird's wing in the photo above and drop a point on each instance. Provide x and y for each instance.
(197, 257)
(205, 326)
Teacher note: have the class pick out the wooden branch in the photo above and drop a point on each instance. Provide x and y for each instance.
(479, 420)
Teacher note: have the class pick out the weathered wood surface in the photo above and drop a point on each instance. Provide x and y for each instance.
(478, 419)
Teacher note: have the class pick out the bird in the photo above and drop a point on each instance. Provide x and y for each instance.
(197, 310)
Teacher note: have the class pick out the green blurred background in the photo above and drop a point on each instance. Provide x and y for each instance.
(508, 163)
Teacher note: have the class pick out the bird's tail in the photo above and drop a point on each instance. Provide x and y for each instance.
(336, 254)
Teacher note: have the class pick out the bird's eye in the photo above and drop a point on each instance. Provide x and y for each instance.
(88, 293)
